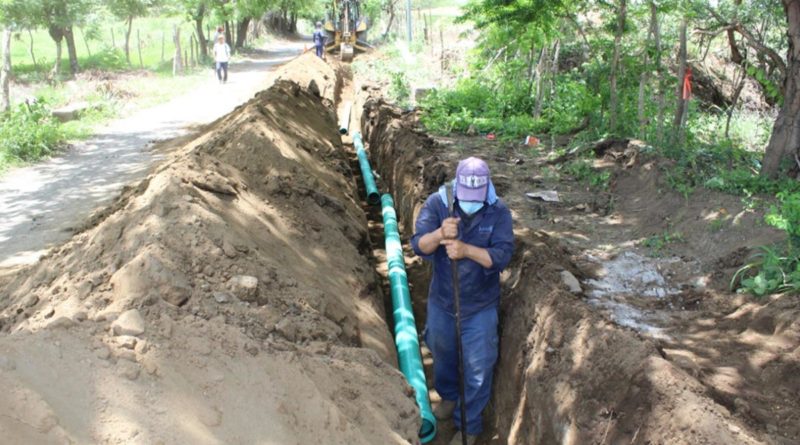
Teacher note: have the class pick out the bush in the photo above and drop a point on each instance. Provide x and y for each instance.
(399, 90)
(769, 272)
(773, 270)
(28, 133)
(473, 104)
(583, 171)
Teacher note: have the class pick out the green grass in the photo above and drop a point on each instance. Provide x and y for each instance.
(583, 171)
(657, 243)
(104, 54)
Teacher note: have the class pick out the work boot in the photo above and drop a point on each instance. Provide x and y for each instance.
(445, 409)
(457, 439)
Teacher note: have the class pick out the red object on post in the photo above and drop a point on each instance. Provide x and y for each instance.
(687, 84)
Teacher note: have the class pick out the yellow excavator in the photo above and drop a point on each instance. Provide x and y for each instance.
(346, 29)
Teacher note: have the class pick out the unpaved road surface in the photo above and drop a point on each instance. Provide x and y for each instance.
(40, 205)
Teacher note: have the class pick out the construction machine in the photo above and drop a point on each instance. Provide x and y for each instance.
(346, 29)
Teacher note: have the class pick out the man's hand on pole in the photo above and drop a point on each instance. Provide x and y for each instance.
(449, 228)
(458, 250)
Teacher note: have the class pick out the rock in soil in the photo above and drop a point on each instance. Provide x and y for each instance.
(129, 323)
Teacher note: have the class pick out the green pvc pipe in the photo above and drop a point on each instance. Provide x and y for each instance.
(344, 120)
(373, 197)
(405, 330)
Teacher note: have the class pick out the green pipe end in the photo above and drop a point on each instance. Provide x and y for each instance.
(342, 130)
(427, 432)
(373, 198)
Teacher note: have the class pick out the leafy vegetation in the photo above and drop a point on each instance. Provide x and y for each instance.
(28, 133)
(657, 243)
(601, 68)
(775, 269)
(583, 171)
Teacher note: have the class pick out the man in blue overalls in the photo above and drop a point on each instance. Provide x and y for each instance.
(479, 235)
(319, 40)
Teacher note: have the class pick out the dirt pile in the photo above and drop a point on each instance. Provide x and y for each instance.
(568, 373)
(225, 299)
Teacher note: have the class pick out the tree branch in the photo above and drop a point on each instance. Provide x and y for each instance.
(753, 42)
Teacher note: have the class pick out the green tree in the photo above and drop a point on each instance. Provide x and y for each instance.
(59, 17)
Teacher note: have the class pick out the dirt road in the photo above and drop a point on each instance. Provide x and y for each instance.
(40, 205)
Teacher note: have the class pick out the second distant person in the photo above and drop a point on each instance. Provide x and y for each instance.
(222, 55)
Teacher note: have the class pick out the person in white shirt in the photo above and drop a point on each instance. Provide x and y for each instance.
(222, 55)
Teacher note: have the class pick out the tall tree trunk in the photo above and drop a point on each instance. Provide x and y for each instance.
(554, 67)
(736, 55)
(531, 60)
(228, 36)
(643, 81)
(784, 144)
(659, 72)
(541, 69)
(72, 50)
(680, 107)
(621, 13)
(57, 34)
(30, 49)
(128, 40)
(5, 73)
(198, 26)
(241, 32)
(740, 79)
(391, 7)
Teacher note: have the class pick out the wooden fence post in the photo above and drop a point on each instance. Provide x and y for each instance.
(86, 42)
(177, 61)
(139, 45)
(191, 52)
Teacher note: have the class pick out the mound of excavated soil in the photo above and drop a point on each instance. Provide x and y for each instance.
(567, 373)
(225, 299)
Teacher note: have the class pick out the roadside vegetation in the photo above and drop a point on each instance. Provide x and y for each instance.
(113, 57)
(700, 82)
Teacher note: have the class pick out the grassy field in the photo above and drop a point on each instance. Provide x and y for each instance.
(101, 47)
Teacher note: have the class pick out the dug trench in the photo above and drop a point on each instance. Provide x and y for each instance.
(232, 297)
(716, 368)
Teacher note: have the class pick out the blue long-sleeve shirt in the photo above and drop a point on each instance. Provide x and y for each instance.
(489, 228)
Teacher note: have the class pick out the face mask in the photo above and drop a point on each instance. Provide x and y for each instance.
(470, 207)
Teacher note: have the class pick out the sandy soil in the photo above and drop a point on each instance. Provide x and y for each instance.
(227, 298)
(42, 205)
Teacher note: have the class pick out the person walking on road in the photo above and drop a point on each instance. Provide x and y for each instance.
(222, 56)
(319, 40)
(220, 32)
(479, 236)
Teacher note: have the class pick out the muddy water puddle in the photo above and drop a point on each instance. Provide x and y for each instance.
(631, 289)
